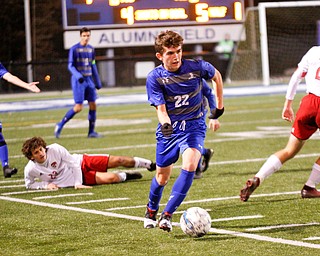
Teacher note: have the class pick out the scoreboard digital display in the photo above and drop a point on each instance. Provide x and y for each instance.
(144, 13)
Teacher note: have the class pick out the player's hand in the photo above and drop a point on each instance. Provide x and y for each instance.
(33, 87)
(81, 187)
(288, 114)
(81, 80)
(98, 86)
(214, 124)
(167, 130)
(52, 186)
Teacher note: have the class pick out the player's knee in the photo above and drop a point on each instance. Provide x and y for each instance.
(190, 167)
(77, 108)
(162, 179)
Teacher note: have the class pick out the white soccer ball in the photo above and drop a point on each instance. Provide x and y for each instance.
(195, 222)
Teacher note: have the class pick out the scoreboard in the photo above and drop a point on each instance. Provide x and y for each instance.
(149, 13)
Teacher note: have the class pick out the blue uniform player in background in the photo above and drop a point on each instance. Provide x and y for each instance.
(177, 92)
(4, 155)
(84, 80)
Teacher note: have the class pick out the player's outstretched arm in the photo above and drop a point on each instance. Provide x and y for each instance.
(17, 81)
(217, 84)
(287, 112)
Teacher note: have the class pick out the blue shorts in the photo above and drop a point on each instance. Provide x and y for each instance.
(186, 134)
(83, 91)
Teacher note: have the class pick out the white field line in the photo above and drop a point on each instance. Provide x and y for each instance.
(10, 181)
(208, 200)
(229, 218)
(175, 167)
(251, 136)
(28, 192)
(63, 195)
(12, 186)
(99, 201)
(214, 230)
(282, 226)
(265, 238)
(312, 238)
(239, 218)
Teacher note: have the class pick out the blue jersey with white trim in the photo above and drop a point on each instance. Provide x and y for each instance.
(181, 91)
(3, 70)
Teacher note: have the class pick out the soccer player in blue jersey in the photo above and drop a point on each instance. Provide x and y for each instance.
(176, 90)
(84, 80)
(4, 155)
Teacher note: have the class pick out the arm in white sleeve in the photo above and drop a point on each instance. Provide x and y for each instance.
(73, 166)
(30, 180)
(293, 83)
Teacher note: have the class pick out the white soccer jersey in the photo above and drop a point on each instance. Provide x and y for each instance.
(309, 65)
(60, 168)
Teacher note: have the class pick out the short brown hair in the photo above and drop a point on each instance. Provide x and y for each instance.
(167, 39)
(31, 144)
(84, 29)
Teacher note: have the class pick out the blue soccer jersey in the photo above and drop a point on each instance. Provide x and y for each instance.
(181, 91)
(184, 93)
(82, 66)
(3, 70)
(81, 58)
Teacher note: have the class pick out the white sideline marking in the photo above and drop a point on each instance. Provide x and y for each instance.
(265, 238)
(10, 181)
(238, 218)
(98, 201)
(230, 218)
(71, 208)
(312, 238)
(64, 195)
(123, 216)
(208, 200)
(282, 226)
(13, 186)
(27, 192)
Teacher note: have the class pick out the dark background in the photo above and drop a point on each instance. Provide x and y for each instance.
(49, 55)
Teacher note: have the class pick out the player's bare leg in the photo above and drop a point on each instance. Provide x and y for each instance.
(130, 162)
(116, 177)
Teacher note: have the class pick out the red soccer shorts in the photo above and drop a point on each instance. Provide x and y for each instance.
(307, 120)
(92, 164)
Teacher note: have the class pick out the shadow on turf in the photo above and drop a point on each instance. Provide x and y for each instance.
(209, 236)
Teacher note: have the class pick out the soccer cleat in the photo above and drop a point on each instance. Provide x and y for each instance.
(165, 221)
(7, 171)
(57, 130)
(206, 159)
(133, 175)
(94, 135)
(204, 164)
(152, 167)
(150, 218)
(250, 186)
(309, 192)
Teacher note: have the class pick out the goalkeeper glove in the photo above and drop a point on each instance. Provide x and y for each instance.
(98, 86)
(81, 80)
(166, 130)
(216, 113)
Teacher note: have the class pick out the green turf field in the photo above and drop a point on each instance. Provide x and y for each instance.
(108, 219)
